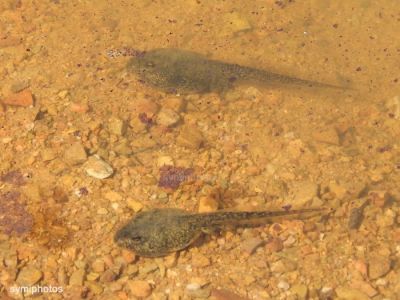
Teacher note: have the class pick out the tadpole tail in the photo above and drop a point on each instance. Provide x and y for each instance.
(273, 79)
(248, 217)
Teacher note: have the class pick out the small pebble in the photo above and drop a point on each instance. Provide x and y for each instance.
(28, 276)
(347, 293)
(250, 245)
(77, 277)
(200, 260)
(98, 168)
(167, 117)
(190, 137)
(23, 98)
(378, 266)
(283, 285)
(117, 126)
(136, 206)
(139, 288)
(208, 204)
(75, 154)
(108, 276)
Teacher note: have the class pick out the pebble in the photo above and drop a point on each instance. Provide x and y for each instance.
(23, 98)
(139, 288)
(303, 192)
(128, 256)
(300, 290)
(28, 276)
(327, 136)
(98, 168)
(48, 154)
(250, 245)
(113, 196)
(117, 126)
(135, 205)
(77, 277)
(167, 117)
(222, 294)
(274, 245)
(346, 293)
(339, 190)
(175, 103)
(190, 137)
(145, 105)
(102, 211)
(75, 154)
(200, 260)
(108, 276)
(208, 204)
(378, 266)
(393, 107)
(235, 22)
(79, 107)
(283, 285)
(98, 266)
(165, 161)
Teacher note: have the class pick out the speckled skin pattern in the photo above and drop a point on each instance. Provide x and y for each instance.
(181, 71)
(158, 232)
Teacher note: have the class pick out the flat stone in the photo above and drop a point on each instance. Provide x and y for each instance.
(139, 288)
(28, 276)
(378, 266)
(251, 244)
(300, 290)
(190, 137)
(98, 168)
(347, 293)
(117, 126)
(167, 117)
(77, 277)
(23, 98)
(75, 154)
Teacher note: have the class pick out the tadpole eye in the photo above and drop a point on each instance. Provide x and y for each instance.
(136, 238)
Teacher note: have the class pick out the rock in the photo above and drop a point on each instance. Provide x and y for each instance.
(393, 107)
(346, 293)
(364, 287)
(146, 106)
(113, 196)
(208, 204)
(222, 294)
(303, 192)
(339, 190)
(165, 161)
(190, 137)
(167, 117)
(136, 206)
(379, 198)
(81, 108)
(283, 285)
(328, 136)
(108, 276)
(300, 290)
(175, 103)
(378, 266)
(128, 256)
(48, 154)
(77, 277)
(98, 266)
(23, 98)
(98, 168)
(250, 245)
(139, 288)
(75, 154)
(235, 22)
(274, 245)
(200, 260)
(28, 276)
(102, 211)
(194, 290)
(117, 126)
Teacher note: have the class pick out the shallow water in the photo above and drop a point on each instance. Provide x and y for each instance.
(252, 148)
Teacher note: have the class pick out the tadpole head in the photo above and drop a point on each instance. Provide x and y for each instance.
(128, 237)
